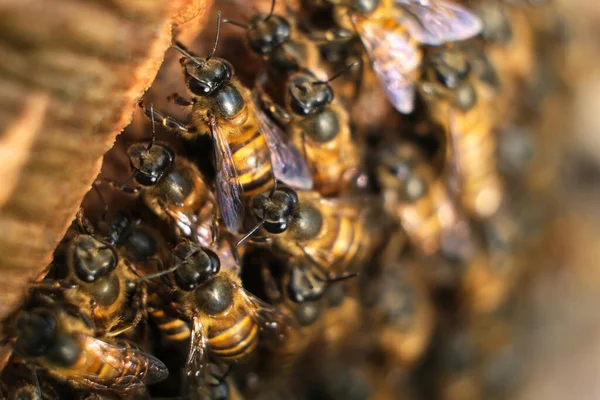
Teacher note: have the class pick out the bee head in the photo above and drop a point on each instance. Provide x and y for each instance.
(204, 77)
(266, 33)
(449, 67)
(90, 258)
(275, 210)
(150, 162)
(306, 94)
(398, 169)
(197, 265)
(36, 332)
(302, 285)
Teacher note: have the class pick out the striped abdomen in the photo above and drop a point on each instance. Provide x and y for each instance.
(344, 241)
(474, 154)
(116, 366)
(232, 337)
(426, 219)
(172, 329)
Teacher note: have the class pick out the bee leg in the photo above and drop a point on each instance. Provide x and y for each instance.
(117, 185)
(273, 110)
(180, 101)
(329, 35)
(83, 225)
(167, 121)
(271, 290)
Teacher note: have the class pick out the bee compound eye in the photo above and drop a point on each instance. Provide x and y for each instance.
(276, 227)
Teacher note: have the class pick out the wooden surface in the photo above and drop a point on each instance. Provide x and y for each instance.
(71, 72)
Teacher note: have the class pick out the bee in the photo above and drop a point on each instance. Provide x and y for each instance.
(173, 188)
(99, 281)
(419, 200)
(64, 345)
(453, 101)
(248, 154)
(320, 128)
(391, 32)
(398, 307)
(330, 235)
(227, 322)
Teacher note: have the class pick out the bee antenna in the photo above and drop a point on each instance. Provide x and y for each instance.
(341, 278)
(181, 48)
(157, 274)
(334, 77)
(128, 181)
(249, 234)
(153, 140)
(102, 199)
(235, 23)
(271, 12)
(212, 53)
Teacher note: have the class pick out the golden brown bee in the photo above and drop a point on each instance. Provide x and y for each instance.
(391, 32)
(173, 188)
(99, 281)
(248, 153)
(455, 102)
(320, 128)
(65, 346)
(227, 322)
(416, 197)
(399, 310)
(331, 236)
(172, 328)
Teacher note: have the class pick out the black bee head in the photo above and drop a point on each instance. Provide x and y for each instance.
(266, 34)
(36, 332)
(398, 168)
(91, 258)
(306, 94)
(275, 210)
(204, 77)
(197, 265)
(150, 163)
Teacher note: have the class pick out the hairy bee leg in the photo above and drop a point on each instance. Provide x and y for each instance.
(117, 185)
(180, 101)
(167, 121)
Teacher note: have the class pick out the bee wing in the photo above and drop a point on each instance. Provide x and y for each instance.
(394, 60)
(276, 327)
(289, 165)
(118, 357)
(197, 367)
(229, 187)
(438, 21)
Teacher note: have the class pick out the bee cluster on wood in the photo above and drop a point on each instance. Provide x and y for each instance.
(353, 223)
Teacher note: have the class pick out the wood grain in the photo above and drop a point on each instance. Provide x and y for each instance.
(71, 72)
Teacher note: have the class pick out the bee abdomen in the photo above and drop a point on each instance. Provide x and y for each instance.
(236, 341)
(172, 329)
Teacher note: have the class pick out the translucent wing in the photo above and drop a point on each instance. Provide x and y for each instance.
(436, 22)
(119, 357)
(289, 165)
(197, 371)
(229, 188)
(395, 60)
(277, 329)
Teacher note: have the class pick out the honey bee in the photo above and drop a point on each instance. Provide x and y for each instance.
(330, 235)
(419, 200)
(227, 322)
(173, 188)
(65, 346)
(391, 32)
(397, 306)
(454, 101)
(320, 128)
(100, 282)
(248, 154)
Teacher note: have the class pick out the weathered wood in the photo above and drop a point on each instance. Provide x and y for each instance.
(71, 72)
